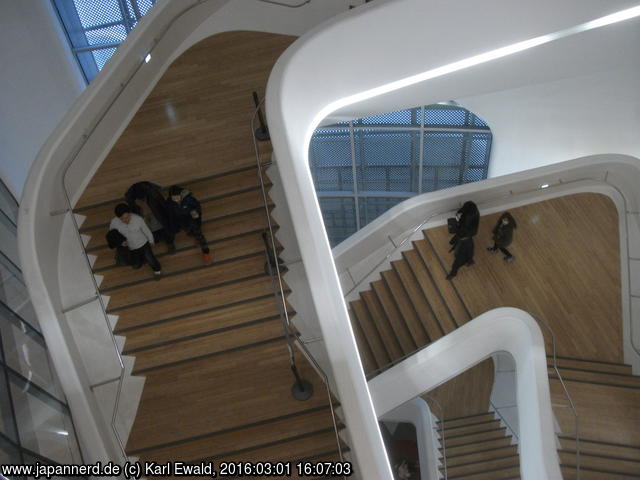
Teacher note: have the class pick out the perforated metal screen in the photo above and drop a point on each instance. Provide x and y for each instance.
(96, 27)
(400, 153)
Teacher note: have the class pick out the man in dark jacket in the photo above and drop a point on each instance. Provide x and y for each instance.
(468, 222)
(152, 195)
(186, 210)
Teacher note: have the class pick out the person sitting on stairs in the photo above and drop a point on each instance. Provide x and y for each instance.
(162, 218)
(187, 211)
(138, 238)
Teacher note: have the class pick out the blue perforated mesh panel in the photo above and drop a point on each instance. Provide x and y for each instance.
(372, 207)
(99, 22)
(339, 215)
(387, 161)
(386, 157)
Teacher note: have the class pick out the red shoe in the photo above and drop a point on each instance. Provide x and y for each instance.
(207, 259)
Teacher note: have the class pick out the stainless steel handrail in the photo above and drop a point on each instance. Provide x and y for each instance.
(281, 4)
(504, 420)
(442, 438)
(69, 209)
(280, 284)
(566, 392)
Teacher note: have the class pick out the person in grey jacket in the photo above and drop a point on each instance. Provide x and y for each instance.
(139, 238)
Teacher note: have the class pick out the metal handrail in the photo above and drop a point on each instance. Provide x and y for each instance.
(566, 392)
(504, 420)
(69, 209)
(442, 439)
(281, 4)
(279, 293)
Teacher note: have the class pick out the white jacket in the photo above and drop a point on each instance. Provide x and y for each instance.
(136, 231)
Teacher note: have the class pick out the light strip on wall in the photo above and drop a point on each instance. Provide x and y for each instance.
(474, 60)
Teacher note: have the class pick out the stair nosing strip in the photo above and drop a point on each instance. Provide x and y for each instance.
(471, 443)
(181, 272)
(598, 470)
(203, 200)
(624, 375)
(209, 355)
(478, 451)
(481, 472)
(189, 182)
(265, 445)
(608, 457)
(566, 379)
(566, 437)
(194, 336)
(209, 220)
(467, 416)
(187, 292)
(228, 430)
(485, 459)
(197, 312)
(469, 425)
(449, 437)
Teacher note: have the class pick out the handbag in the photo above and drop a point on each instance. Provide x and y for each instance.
(452, 225)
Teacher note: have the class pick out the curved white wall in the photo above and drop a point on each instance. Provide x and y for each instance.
(503, 329)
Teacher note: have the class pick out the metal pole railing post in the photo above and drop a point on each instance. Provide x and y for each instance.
(262, 132)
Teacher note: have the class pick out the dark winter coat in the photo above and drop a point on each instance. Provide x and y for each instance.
(463, 250)
(182, 211)
(503, 234)
(469, 220)
(151, 193)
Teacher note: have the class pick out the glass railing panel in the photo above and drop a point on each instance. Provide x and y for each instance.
(44, 423)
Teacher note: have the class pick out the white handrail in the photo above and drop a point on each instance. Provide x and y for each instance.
(499, 330)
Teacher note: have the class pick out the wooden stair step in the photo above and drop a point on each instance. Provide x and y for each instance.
(290, 449)
(430, 290)
(570, 473)
(627, 381)
(626, 452)
(391, 317)
(189, 256)
(475, 437)
(396, 312)
(488, 464)
(212, 320)
(439, 274)
(163, 355)
(224, 229)
(607, 413)
(205, 190)
(366, 355)
(190, 400)
(475, 447)
(173, 285)
(452, 432)
(227, 207)
(468, 420)
(244, 437)
(601, 463)
(417, 298)
(590, 365)
(233, 293)
(481, 455)
(371, 333)
(422, 336)
(507, 473)
(387, 334)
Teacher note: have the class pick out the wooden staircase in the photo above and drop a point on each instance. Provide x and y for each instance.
(213, 333)
(412, 305)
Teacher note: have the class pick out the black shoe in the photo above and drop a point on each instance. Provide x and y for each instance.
(492, 250)
(470, 262)
(450, 276)
(171, 248)
(510, 258)
(157, 275)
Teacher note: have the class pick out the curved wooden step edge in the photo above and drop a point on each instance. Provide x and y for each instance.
(197, 312)
(84, 208)
(261, 343)
(228, 430)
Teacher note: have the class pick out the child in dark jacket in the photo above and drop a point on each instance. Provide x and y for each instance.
(187, 212)
(503, 235)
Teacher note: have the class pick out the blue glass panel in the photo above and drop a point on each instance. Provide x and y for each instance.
(339, 215)
(112, 34)
(400, 117)
(443, 148)
(372, 207)
(444, 115)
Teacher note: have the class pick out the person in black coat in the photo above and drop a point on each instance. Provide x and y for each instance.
(468, 222)
(186, 210)
(463, 253)
(152, 195)
(503, 235)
